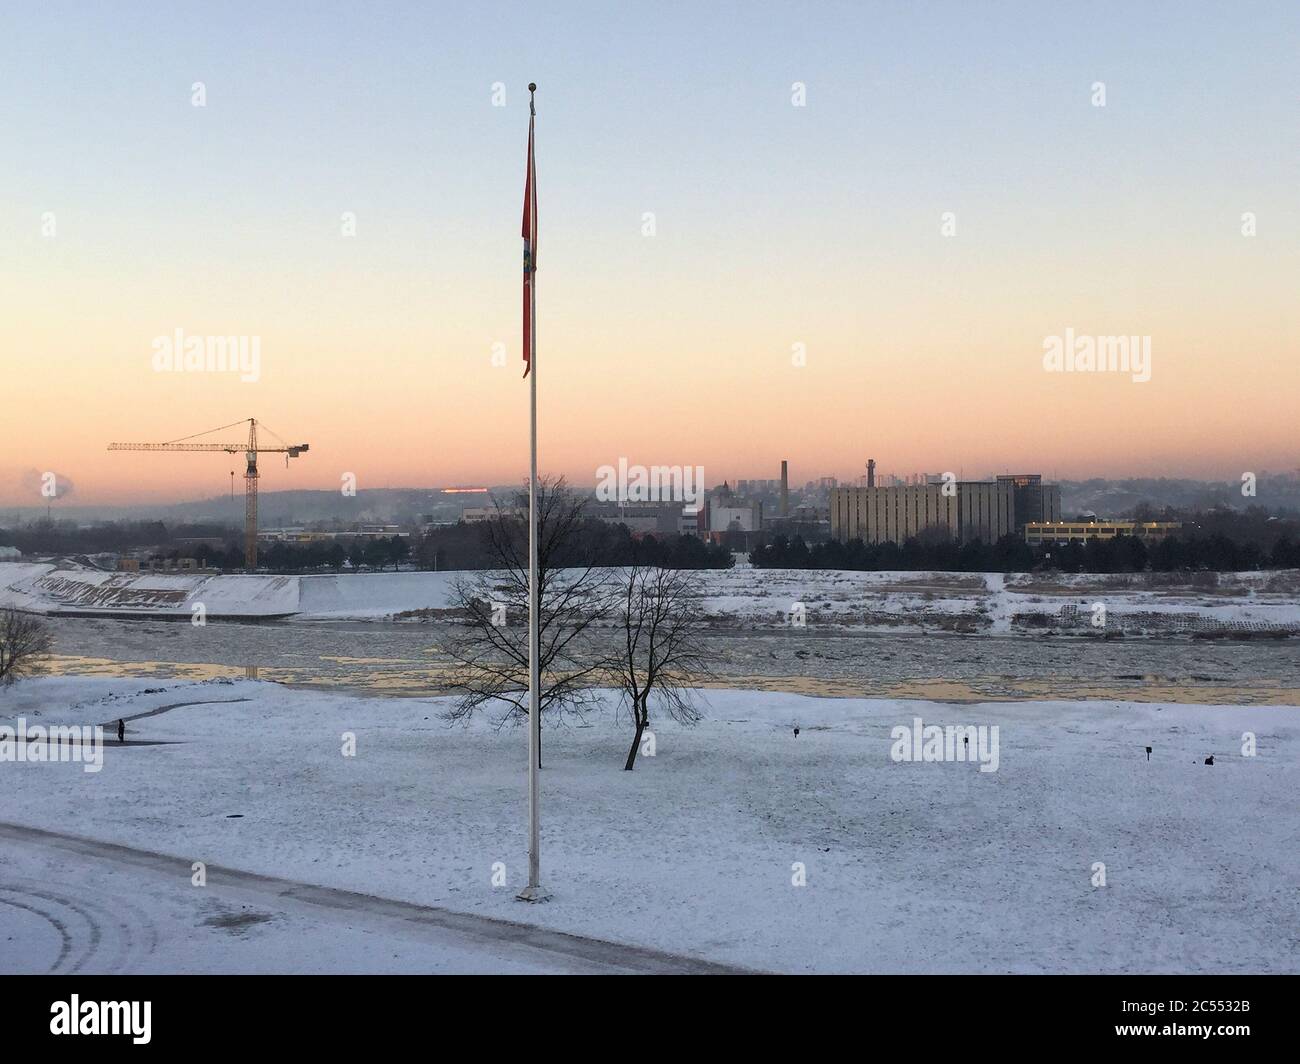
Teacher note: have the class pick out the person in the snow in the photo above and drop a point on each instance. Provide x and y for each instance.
(121, 730)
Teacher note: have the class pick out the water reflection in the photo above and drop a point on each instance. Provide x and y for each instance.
(408, 660)
(403, 677)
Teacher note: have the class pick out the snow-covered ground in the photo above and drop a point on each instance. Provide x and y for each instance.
(974, 603)
(71, 912)
(47, 588)
(374, 596)
(910, 867)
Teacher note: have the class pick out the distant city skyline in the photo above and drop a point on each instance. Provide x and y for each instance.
(857, 236)
(80, 507)
(22, 487)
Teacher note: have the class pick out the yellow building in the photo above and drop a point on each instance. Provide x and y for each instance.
(1040, 532)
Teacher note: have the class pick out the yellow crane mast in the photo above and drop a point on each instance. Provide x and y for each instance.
(251, 450)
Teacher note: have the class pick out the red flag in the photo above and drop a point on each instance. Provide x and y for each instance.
(530, 248)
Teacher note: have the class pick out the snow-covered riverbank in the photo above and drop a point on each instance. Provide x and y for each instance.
(1244, 604)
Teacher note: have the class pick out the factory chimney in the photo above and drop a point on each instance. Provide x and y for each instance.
(785, 488)
(871, 472)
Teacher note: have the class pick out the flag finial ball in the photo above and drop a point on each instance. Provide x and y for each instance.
(532, 86)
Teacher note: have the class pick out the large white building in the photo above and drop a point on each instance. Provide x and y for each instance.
(735, 516)
(964, 510)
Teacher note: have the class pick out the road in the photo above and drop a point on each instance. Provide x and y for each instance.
(75, 905)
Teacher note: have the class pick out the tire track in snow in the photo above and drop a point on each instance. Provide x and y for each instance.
(65, 936)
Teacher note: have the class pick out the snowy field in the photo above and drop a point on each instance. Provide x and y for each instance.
(969, 603)
(910, 867)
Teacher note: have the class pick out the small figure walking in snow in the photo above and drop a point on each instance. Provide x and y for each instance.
(1210, 760)
(796, 731)
(121, 730)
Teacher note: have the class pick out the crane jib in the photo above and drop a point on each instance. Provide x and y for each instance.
(250, 449)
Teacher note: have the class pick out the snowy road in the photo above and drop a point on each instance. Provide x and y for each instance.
(69, 904)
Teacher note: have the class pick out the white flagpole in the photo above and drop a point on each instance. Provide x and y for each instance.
(533, 892)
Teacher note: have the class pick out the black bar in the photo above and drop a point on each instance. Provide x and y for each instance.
(987, 1014)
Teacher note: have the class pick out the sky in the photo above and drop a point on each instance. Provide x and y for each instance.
(820, 232)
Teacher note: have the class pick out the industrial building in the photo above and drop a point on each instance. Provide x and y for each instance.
(649, 518)
(1031, 499)
(731, 515)
(1049, 532)
(318, 535)
(964, 510)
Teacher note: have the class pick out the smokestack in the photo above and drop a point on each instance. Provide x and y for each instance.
(871, 472)
(785, 488)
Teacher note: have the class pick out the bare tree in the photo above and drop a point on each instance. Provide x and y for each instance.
(660, 651)
(489, 643)
(25, 640)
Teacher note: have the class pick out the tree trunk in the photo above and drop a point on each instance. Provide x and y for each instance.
(641, 721)
(636, 745)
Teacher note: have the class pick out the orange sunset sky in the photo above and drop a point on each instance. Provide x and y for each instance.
(774, 225)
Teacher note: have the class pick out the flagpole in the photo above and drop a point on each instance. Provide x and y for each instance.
(533, 892)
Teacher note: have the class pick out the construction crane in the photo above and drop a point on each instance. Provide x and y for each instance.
(251, 449)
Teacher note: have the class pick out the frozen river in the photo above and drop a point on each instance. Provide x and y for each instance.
(407, 660)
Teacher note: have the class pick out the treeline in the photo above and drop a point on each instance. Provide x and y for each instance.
(1198, 552)
(1254, 524)
(591, 542)
(1010, 554)
(319, 555)
(65, 537)
(459, 546)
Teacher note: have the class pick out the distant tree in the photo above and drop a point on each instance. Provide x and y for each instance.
(458, 546)
(1286, 554)
(1132, 554)
(376, 553)
(1011, 554)
(489, 643)
(25, 641)
(770, 555)
(659, 646)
